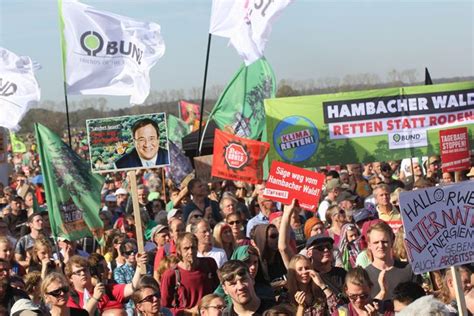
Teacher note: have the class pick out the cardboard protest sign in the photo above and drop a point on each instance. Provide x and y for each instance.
(454, 147)
(128, 142)
(366, 126)
(203, 166)
(237, 158)
(438, 225)
(287, 182)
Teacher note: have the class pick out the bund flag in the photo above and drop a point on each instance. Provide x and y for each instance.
(106, 53)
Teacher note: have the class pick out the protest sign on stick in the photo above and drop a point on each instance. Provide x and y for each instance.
(132, 178)
(287, 182)
(438, 226)
(454, 148)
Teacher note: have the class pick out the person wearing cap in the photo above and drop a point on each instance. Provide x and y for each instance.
(361, 216)
(347, 201)
(174, 213)
(333, 188)
(433, 168)
(35, 223)
(67, 249)
(160, 235)
(386, 172)
(320, 251)
(384, 208)
(122, 198)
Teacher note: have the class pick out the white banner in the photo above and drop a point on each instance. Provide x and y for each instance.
(438, 224)
(19, 89)
(109, 54)
(247, 24)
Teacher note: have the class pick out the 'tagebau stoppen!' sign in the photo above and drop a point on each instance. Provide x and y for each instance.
(287, 182)
(439, 226)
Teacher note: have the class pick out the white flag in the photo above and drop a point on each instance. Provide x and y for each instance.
(246, 23)
(109, 54)
(19, 89)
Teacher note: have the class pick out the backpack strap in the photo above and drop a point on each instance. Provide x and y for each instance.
(177, 285)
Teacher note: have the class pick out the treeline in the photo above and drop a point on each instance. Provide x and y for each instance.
(52, 114)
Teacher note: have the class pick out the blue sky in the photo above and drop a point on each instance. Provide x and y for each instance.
(311, 40)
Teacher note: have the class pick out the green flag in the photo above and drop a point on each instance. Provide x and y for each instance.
(239, 109)
(177, 129)
(72, 191)
(17, 145)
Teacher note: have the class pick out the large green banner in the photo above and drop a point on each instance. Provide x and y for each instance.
(365, 126)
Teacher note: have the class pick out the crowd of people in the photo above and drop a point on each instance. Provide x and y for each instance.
(223, 248)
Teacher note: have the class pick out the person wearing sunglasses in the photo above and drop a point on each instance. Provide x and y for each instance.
(237, 283)
(147, 301)
(211, 305)
(357, 287)
(328, 277)
(124, 274)
(55, 291)
(236, 223)
(92, 296)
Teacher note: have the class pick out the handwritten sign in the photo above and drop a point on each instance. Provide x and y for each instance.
(439, 226)
(287, 182)
(454, 147)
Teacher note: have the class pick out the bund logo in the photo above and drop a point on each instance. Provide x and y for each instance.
(92, 42)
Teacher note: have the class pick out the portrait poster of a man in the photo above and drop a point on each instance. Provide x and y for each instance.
(129, 142)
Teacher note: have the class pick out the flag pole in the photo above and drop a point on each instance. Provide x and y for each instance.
(67, 116)
(198, 149)
(63, 53)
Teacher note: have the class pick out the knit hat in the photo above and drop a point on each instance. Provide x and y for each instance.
(310, 223)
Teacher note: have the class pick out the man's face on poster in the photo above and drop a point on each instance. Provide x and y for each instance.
(146, 141)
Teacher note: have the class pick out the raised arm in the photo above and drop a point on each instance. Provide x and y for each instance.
(284, 234)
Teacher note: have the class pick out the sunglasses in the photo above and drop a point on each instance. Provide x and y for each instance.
(150, 298)
(218, 307)
(234, 223)
(129, 253)
(80, 271)
(354, 297)
(323, 247)
(59, 292)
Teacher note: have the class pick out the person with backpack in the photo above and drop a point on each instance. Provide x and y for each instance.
(183, 287)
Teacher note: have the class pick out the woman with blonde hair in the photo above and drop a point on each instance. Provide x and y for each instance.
(335, 218)
(223, 238)
(42, 258)
(399, 250)
(302, 289)
(55, 292)
(211, 305)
